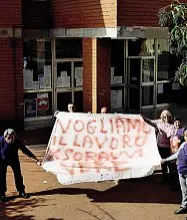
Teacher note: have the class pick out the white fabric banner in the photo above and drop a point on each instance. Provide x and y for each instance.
(95, 147)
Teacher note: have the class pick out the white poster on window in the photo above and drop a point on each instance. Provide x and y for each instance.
(59, 82)
(117, 79)
(47, 71)
(79, 81)
(36, 85)
(64, 73)
(116, 99)
(28, 79)
(47, 77)
(160, 88)
(78, 72)
(41, 81)
(47, 82)
(65, 81)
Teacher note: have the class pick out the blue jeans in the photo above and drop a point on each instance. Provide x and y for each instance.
(183, 185)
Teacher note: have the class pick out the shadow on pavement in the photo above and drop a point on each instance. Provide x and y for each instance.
(67, 191)
(98, 216)
(15, 210)
(143, 190)
(54, 219)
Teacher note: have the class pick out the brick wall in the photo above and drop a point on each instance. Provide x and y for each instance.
(11, 79)
(139, 12)
(36, 14)
(103, 73)
(19, 80)
(96, 73)
(83, 13)
(11, 74)
(7, 96)
(10, 13)
(89, 66)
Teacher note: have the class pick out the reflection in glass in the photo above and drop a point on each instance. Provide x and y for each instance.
(147, 95)
(141, 47)
(147, 70)
(163, 59)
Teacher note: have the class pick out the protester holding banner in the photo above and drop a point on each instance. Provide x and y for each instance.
(97, 147)
(165, 129)
(175, 142)
(181, 156)
(71, 107)
(103, 110)
(179, 128)
(9, 147)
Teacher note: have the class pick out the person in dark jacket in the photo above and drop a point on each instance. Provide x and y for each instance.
(9, 147)
(181, 157)
(179, 127)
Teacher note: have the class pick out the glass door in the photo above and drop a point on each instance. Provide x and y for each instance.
(148, 86)
(68, 84)
(133, 84)
(141, 84)
(77, 95)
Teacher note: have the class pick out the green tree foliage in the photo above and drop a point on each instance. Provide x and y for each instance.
(174, 16)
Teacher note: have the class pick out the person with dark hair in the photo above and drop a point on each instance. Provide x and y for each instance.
(178, 125)
(71, 108)
(164, 129)
(175, 142)
(181, 157)
(9, 147)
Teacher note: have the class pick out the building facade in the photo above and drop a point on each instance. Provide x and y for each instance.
(91, 52)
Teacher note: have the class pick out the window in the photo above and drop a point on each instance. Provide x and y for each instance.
(141, 47)
(37, 77)
(68, 48)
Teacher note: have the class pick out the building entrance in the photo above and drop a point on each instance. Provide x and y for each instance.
(141, 84)
(68, 82)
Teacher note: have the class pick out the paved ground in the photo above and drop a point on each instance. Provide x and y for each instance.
(140, 199)
(35, 137)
